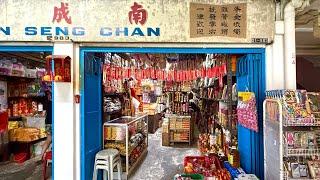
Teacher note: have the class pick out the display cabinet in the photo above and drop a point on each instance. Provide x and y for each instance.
(291, 142)
(128, 134)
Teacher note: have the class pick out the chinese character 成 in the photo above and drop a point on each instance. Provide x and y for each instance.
(138, 14)
(61, 13)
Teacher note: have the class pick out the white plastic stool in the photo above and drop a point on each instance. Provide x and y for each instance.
(103, 165)
(106, 160)
(115, 161)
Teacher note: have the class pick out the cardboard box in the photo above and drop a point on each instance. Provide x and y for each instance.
(165, 139)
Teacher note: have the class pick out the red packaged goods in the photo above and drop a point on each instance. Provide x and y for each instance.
(3, 121)
(20, 158)
(194, 164)
(209, 166)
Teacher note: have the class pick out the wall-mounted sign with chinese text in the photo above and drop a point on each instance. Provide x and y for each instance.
(218, 20)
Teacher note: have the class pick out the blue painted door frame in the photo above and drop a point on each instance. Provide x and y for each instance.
(48, 49)
(91, 110)
(256, 71)
(250, 74)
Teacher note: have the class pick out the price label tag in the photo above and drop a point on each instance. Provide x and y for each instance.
(245, 96)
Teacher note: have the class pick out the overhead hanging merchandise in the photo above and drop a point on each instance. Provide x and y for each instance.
(292, 134)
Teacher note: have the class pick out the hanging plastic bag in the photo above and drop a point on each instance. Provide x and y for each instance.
(247, 110)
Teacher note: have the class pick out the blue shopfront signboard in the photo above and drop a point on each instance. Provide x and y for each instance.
(133, 21)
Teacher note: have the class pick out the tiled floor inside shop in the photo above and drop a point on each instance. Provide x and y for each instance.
(29, 170)
(161, 162)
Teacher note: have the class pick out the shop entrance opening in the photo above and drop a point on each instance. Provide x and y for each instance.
(26, 111)
(99, 124)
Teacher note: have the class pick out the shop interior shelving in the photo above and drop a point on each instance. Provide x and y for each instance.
(277, 152)
(178, 126)
(128, 134)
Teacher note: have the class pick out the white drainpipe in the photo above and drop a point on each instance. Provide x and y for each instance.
(289, 47)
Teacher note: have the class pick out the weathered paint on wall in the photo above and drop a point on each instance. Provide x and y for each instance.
(171, 16)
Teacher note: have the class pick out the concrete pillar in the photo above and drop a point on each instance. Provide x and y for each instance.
(276, 67)
(289, 47)
(64, 126)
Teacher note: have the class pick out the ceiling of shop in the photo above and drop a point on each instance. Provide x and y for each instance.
(307, 43)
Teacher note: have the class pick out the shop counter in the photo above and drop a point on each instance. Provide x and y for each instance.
(128, 134)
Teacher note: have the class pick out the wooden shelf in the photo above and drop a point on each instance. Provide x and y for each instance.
(180, 102)
(176, 91)
(15, 118)
(179, 141)
(16, 77)
(33, 142)
(113, 112)
(113, 94)
(179, 129)
(28, 96)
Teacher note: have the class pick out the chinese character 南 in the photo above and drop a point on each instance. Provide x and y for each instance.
(200, 16)
(61, 13)
(138, 14)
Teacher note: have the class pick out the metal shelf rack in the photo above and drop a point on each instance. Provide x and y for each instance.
(276, 149)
